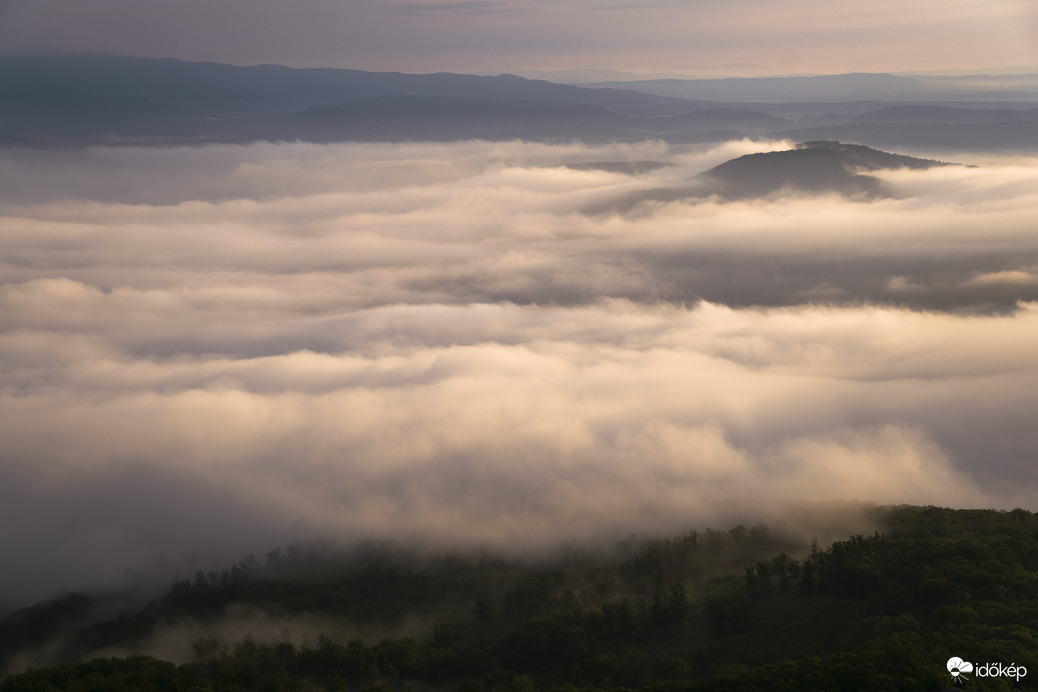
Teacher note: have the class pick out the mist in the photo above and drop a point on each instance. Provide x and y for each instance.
(217, 350)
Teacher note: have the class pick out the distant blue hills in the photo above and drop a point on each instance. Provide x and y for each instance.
(67, 100)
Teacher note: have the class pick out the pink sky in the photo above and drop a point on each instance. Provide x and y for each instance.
(702, 37)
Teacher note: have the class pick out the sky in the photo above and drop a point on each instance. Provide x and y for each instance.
(219, 350)
(696, 38)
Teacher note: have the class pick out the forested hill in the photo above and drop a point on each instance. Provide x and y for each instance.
(820, 166)
(734, 610)
(809, 168)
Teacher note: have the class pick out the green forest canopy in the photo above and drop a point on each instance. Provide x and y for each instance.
(741, 609)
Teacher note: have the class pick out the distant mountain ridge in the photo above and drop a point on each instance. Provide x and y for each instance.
(408, 117)
(854, 86)
(49, 101)
(226, 91)
(66, 111)
(947, 115)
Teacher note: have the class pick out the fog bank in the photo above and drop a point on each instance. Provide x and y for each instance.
(222, 349)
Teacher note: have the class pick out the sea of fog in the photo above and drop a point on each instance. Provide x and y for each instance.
(218, 350)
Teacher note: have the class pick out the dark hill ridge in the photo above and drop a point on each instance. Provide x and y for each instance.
(816, 167)
(64, 112)
(855, 86)
(228, 91)
(852, 86)
(813, 168)
(946, 115)
(1002, 137)
(71, 100)
(72, 117)
(713, 118)
(423, 117)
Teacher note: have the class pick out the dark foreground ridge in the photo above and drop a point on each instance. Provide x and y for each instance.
(743, 609)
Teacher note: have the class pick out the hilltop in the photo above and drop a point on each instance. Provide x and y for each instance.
(810, 167)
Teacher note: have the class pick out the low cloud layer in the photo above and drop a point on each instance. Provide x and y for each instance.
(222, 349)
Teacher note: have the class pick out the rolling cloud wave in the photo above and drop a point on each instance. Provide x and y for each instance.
(434, 342)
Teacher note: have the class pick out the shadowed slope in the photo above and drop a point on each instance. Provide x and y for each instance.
(813, 168)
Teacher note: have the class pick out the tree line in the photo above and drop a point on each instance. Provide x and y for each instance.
(707, 610)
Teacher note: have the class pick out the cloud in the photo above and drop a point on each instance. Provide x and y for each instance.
(457, 8)
(1013, 277)
(433, 343)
